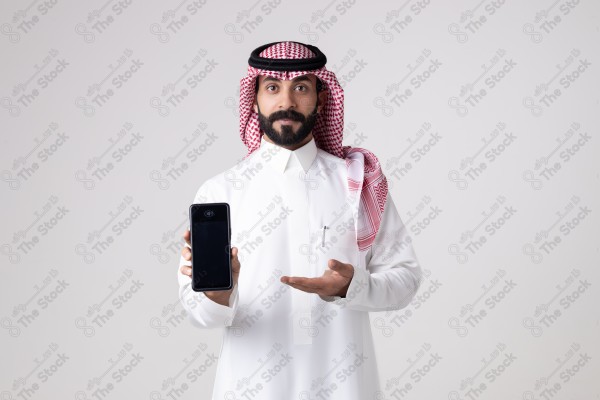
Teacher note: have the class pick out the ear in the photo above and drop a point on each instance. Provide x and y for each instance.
(321, 100)
(254, 106)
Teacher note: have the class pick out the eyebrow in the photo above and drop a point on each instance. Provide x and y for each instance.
(296, 79)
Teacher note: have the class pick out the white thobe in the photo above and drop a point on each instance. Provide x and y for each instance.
(280, 342)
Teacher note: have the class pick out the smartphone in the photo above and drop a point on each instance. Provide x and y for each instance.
(210, 231)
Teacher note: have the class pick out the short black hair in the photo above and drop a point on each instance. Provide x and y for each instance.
(319, 85)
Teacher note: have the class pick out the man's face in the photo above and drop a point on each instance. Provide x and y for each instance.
(287, 109)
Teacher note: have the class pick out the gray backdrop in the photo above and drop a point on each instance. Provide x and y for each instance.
(484, 115)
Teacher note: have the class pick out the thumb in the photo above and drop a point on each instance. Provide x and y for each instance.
(343, 269)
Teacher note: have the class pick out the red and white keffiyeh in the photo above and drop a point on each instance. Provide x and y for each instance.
(364, 171)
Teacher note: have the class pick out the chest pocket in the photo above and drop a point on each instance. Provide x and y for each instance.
(338, 240)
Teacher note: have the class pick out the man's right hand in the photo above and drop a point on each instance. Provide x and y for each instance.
(219, 296)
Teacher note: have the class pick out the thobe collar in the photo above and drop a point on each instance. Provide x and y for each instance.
(282, 158)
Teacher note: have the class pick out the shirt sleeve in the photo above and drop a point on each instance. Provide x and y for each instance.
(202, 311)
(392, 275)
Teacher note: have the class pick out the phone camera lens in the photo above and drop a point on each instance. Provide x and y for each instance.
(209, 213)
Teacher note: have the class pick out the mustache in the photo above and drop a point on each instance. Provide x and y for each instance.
(286, 114)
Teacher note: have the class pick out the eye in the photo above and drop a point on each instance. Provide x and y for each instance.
(303, 87)
(270, 86)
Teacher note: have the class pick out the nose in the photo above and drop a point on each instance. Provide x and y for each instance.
(287, 100)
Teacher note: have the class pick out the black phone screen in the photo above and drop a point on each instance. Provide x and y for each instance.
(211, 251)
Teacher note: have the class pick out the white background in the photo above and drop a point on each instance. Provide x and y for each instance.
(501, 106)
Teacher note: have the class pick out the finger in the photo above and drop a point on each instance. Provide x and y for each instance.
(314, 283)
(186, 253)
(303, 288)
(187, 236)
(185, 270)
(235, 262)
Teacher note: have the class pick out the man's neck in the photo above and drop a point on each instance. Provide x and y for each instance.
(291, 147)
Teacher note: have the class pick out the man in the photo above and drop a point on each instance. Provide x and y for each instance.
(317, 242)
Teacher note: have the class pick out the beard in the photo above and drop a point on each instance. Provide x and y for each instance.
(287, 136)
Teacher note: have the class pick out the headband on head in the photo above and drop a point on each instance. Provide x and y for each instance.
(287, 64)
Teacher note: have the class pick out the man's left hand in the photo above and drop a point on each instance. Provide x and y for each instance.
(334, 281)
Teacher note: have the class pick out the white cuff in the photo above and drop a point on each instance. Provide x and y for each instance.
(357, 290)
(223, 313)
